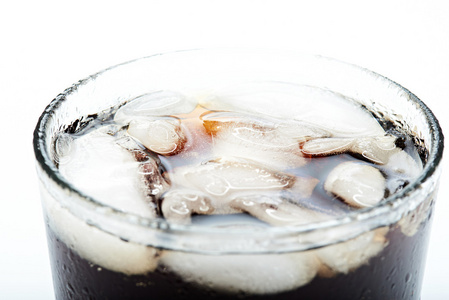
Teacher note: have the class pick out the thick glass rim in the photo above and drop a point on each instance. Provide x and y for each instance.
(393, 202)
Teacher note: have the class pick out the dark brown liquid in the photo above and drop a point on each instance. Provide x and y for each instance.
(396, 273)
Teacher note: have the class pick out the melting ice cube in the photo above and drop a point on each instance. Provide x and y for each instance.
(346, 256)
(117, 183)
(224, 176)
(376, 149)
(161, 135)
(267, 140)
(276, 211)
(316, 106)
(179, 205)
(157, 103)
(254, 274)
(359, 185)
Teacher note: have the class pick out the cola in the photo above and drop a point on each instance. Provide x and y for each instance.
(255, 190)
(394, 274)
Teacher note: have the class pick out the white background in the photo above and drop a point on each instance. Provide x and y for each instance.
(46, 46)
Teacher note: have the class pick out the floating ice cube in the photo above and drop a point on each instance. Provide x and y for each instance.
(413, 220)
(161, 135)
(276, 211)
(323, 108)
(357, 184)
(158, 103)
(346, 256)
(217, 121)
(179, 205)
(267, 140)
(97, 246)
(96, 155)
(375, 149)
(402, 163)
(224, 176)
(302, 131)
(327, 146)
(254, 274)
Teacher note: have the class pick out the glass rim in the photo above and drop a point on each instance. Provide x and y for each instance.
(394, 201)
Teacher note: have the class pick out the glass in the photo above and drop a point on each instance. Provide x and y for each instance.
(98, 251)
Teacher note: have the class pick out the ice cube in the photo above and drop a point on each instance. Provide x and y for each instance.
(117, 183)
(327, 146)
(252, 274)
(150, 168)
(302, 131)
(225, 176)
(157, 103)
(316, 106)
(160, 135)
(179, 205)
(276, 211)
(359, 185)
(217, 121)
(267, 140)
(297, 131)
(402, 163)
(377, 149)
(413, 220)
(346, 256)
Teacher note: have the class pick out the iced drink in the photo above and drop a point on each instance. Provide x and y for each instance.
(237, 175)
